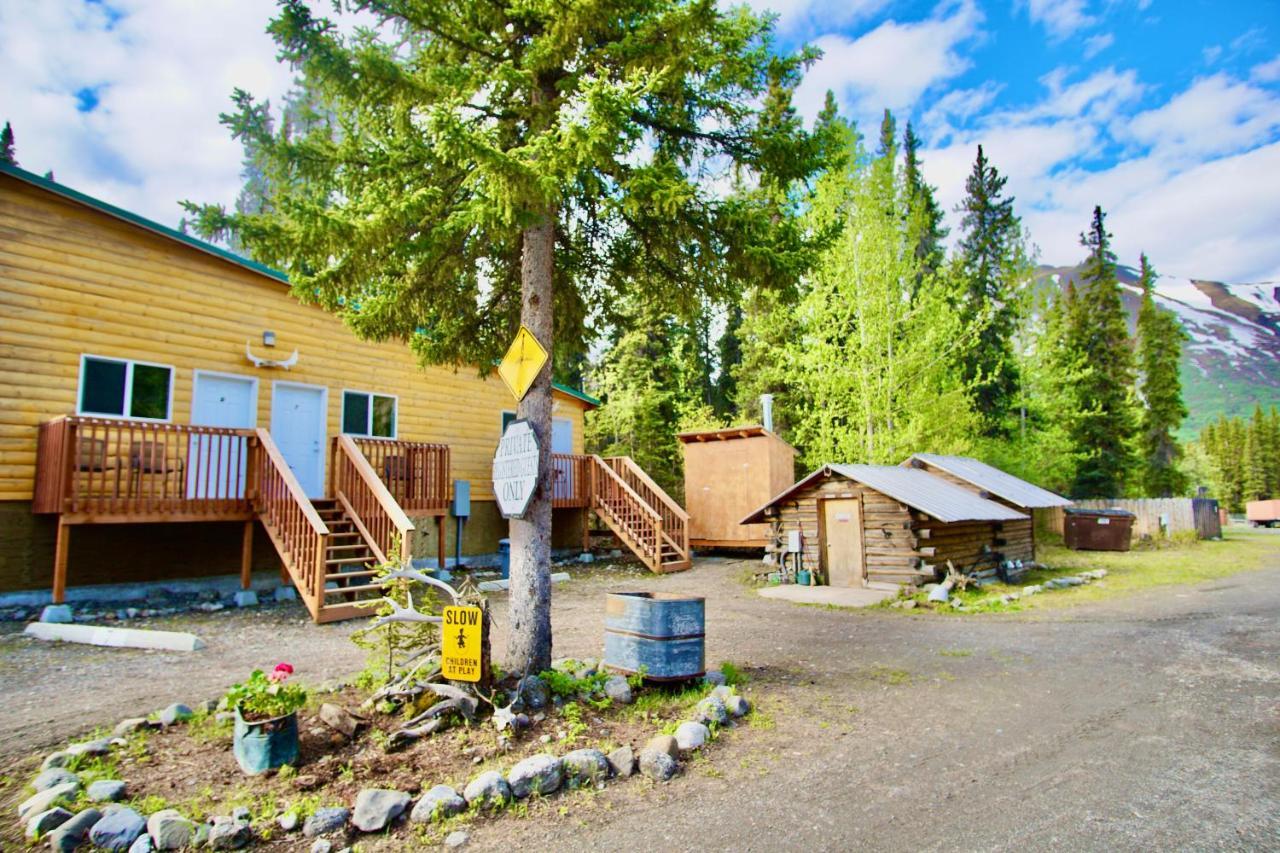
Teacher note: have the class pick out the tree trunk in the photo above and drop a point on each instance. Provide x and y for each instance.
(529, 634)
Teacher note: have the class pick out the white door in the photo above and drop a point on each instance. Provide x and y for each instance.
(562, 469)
(217, 464)
(298, 428)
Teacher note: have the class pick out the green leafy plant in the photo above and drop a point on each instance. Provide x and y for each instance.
(264, 697)
(574, 726)
(732, 675)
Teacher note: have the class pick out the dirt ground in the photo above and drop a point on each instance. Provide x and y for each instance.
(1144, 722)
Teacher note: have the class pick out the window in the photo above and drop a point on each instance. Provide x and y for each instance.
(561, 431)
(372, 415)
(125, 389)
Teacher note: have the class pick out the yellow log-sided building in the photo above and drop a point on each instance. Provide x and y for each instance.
(149, 382)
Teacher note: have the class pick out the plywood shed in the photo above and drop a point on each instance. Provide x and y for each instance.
(886, 525)
(999, 486)
(728, 473)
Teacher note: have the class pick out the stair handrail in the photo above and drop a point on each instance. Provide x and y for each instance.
(640, 501)
(377, 516)
(299, 495)
(296, 529)
(675, 518)
(658, 492)
(653, 516)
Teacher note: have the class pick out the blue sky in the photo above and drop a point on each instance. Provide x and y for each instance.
(1166, 113)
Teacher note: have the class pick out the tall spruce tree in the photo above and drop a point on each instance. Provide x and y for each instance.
(988, 267)
(8, 153)
(1098, 336)
(1160, 338)
(729, 356)
(924, 215)
(1256, 450)
(492, 164)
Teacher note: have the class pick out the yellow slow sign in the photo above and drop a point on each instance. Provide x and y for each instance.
(460, 649)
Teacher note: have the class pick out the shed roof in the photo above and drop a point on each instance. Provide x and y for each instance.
(993, 480)
(726, 433)
(917, 489)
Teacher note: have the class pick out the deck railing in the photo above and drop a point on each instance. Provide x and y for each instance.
(416, 473)
(377, 516)
(570, 480)
(299, 534)
(100, 468)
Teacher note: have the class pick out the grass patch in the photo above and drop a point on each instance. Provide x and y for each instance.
(1168, 562)
(888, 675)
(956, 653)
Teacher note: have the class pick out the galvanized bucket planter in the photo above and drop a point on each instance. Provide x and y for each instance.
(661, 634)
(265, 745)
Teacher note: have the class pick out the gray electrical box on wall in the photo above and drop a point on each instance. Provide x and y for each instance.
(461, 498)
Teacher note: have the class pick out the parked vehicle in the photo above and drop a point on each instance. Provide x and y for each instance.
(1263, 513)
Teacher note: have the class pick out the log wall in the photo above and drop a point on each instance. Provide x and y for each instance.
(75, 280)
(889, 541)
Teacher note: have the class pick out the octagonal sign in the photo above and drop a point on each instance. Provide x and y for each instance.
(515, 469)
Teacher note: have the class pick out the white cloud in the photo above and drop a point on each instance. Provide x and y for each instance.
(1266, 72)
(1193, 214)
(1060, 18)
(892, 65)
(1097, 44)
(815, 15)
(1215, 116)
(161, 74)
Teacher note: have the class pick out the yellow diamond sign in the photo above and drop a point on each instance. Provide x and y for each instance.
(522, 363)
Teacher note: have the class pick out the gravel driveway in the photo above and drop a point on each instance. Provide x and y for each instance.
(1147, 722)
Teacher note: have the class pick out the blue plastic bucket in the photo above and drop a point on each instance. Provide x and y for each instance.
(802, 577)
(265, 745)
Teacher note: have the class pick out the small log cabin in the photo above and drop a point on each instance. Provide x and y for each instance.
(729, 472)
(999, 486)
(886, 526)
(183, 413)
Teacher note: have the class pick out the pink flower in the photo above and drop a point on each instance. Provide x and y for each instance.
(280, 673)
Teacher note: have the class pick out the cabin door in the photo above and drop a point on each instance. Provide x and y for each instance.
(218, 464)
(298, 422)
(842, 541)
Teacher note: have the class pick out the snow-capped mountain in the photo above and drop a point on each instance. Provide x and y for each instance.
(1232, 360)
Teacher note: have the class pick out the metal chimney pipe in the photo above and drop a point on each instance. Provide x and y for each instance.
(766, 411)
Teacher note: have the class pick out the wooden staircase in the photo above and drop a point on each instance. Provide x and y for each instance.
(348, 560)
(640, 513)
(329, 547)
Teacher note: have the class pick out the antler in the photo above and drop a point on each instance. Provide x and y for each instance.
(407, 613)
(405, 573)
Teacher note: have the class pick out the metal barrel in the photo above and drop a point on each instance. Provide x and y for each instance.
(661, 635)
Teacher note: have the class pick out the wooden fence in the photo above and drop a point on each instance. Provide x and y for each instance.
(1156, 517)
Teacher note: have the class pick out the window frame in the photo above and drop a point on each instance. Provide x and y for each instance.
(395, 415)
(503, 421)
(127, 401)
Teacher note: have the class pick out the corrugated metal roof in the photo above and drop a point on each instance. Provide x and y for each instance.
(917, 489)
(993, 480)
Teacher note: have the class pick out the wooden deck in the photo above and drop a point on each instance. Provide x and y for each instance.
(109, 471)
(112, 471)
